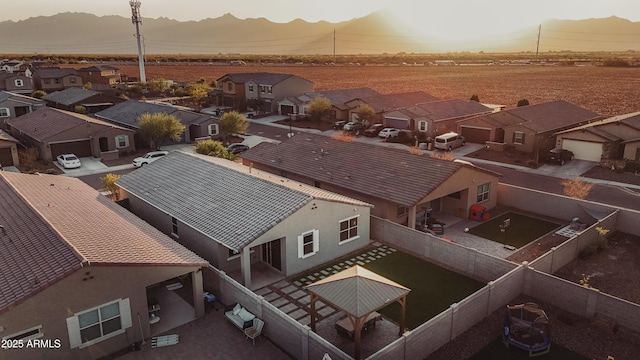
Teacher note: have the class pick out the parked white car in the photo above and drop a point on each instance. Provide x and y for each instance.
(148, 158)
(389, 133)
(68, 161)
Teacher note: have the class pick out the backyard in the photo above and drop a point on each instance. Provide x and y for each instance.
(513, 229)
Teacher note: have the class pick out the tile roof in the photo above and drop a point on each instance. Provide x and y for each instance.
(446, 109)
(69, 96)
(261, 78)
(390, 102)
(98, 68)
(32, 255)
(553, 115)
(497, 119)
(7, 95)
(7, 137)
(339, 97)
(100, 231)
(55, 72)
(229, 206)
(128, 112)
(46, 122)
(390, 174)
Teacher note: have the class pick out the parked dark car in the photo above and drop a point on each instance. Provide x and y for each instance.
(338, 125)
(560, 156)
(374, 130)
(354, 127)
(237, 148)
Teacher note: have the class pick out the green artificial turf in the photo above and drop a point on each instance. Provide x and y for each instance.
(497, 351)
(522, 230)
(433, 289)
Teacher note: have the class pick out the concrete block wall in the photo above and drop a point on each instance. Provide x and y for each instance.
(504, 289)
(318, 347)
(288, 334)
(625, 313)
(564, 294)
(489, 268)
(470, 311)
(231, 292)
(429, 336)
(393, 351)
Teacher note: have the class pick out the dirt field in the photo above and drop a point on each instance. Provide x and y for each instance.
(606, 90)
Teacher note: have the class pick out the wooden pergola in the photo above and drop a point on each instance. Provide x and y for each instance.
(358, 292)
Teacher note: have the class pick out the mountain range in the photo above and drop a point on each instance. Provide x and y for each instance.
(376, 33)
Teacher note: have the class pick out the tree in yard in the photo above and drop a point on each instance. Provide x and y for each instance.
(199, 91)
(80, 109)
(232, 122)
(157, 85)
(319, 107)
(475, 98)
(365, 113)
(576, 188)
(213, 148)
(38, 94)
(158, 128)
(109, 183)
(88, 85)
(523, 102)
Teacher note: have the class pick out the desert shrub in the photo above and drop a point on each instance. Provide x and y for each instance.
(343, 136)
(213, 148)
(588, 252)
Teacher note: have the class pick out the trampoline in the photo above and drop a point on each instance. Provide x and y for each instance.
(526, 326)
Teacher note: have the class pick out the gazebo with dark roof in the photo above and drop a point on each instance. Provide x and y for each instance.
(358, 292)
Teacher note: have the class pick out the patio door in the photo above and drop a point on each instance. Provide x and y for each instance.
(271, 254)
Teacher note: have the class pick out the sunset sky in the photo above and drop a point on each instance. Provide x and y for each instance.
(459, 17)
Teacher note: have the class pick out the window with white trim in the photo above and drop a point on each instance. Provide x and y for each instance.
(213, 129)
(174, 227)
(100, 323)
(348, 229)
(422, 126)
(518, 137)
(483, 192)
(122, 141)
(250, 87)
(401, 210)
(25, 335)
(19, 83)
(308, 243)
(4, 112)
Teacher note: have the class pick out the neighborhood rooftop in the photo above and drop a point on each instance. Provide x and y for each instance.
(227, 200)
(128, 112)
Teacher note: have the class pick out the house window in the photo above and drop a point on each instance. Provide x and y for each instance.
(174, 226)
(98, 324)
(348, 229)
(213, 129)
(250, 87)
(25, 335)
(56, 81)
(422, 126)
(483, 192)
(72, 80)
(47, 81)
(4, 112)
(229, 86)
(402, 210)
(122, 141)
(308, 243)
(518, 137)
(266, 89)
(19, 83)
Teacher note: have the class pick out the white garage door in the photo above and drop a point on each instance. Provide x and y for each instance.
(583, 150)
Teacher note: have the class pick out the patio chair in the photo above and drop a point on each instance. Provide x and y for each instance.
(254, 330)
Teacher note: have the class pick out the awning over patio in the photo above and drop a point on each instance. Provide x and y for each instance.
(358, 292)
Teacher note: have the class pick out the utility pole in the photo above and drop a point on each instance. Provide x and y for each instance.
(334, 45)
(136, 19)
(538, 44)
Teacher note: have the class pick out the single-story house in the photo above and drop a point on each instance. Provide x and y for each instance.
(16, 83)
(243, 221)
(488, 127)
(340, 110)
(240, 89)
(79, 271)
(435, 117)
(384, 103)
(403, 187)
(92, 101)
(51, 79)
(617, 137)
(13, 105)
(197, 125)
(8, 150)
(54, 132)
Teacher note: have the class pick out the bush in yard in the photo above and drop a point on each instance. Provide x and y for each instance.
(109, 183)
(213, 148)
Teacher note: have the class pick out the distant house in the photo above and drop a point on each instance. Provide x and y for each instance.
(92, 101)
(617, 137)
(399, 184)
(435, 117)
(12, 66)
(384, 103)
(198, 125)
(79, 271)
(8, 150)
(239, 90)
(51, 79)
(340, 109)
(243, 221)
(54, 132)
(101, 77)
(13, 105)
(16, 83)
